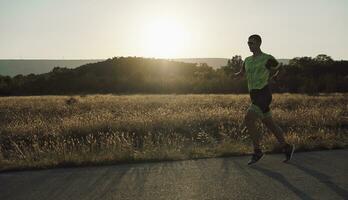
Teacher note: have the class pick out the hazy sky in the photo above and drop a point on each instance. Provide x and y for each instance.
(84, 29)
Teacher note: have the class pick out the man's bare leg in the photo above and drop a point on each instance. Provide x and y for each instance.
(279, 134)
(275, 129)
(250, 122)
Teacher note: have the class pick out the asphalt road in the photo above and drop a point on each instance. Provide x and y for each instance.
(311, 175)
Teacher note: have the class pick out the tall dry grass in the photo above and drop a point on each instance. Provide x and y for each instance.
(48, 131)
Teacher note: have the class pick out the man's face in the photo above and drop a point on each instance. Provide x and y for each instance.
(253, 44)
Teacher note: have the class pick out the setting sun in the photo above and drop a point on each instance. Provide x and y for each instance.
(164, 39)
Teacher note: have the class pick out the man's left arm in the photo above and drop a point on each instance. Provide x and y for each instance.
(273, 66)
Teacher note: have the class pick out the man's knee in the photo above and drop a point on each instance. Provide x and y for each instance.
(250, 118)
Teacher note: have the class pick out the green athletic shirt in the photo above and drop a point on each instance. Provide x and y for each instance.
(256, 72)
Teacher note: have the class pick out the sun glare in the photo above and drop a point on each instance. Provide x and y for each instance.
(164, 39)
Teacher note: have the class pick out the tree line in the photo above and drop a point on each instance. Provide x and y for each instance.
(125, 75)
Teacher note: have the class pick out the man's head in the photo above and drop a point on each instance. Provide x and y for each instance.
(254, 42)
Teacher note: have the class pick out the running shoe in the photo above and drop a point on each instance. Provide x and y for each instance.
(289, 152)
(255, 157)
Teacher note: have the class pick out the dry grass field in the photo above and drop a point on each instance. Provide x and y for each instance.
(55, 131)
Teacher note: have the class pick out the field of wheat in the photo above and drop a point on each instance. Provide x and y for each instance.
(55, 131)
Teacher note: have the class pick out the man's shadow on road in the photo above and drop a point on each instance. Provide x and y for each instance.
(321, 177)
(281, 179)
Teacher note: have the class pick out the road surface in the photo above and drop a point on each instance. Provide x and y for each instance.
(310, 175)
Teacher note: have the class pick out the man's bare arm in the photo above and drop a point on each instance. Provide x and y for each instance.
(241, 71)
(273, 66)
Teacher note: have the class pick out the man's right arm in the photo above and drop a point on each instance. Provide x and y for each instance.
(241, 71)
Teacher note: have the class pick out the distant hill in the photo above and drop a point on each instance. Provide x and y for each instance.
(116, 75)
(216, 62)
(25, 67)
(213, 62)
(284, 61)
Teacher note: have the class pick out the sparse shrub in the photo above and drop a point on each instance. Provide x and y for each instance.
(71, 101)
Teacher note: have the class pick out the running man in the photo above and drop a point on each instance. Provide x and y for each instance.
(259, 69)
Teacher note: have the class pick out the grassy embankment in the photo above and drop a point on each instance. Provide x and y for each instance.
(53, 131)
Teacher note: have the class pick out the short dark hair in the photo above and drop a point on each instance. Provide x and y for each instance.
(256, 37)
